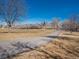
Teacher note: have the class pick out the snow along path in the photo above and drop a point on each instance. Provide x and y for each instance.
(41, 40)
(32, 42)
(11, 48)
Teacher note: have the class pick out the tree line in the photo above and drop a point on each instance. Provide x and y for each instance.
(12, 10)
(72, 24)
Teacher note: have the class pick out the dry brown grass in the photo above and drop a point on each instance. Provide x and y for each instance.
(6, 34)
(64, 47)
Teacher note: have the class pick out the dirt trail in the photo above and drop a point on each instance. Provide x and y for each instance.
(35, 40)
(14, 47)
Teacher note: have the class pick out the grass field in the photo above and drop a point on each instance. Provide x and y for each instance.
(6, 34)
(65, 46)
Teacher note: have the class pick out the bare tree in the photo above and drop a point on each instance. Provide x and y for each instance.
(72, 24)
(11, 10)
(68, 25)
(75, 19)
(55, 23)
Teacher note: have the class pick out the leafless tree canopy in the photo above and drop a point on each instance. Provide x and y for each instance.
(72, 24)
(11, 10)
(55, 22)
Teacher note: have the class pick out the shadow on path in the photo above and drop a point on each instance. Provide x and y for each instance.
(58, 37)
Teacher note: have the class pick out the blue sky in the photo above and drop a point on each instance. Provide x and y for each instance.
(40, 10)
(45, 10)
